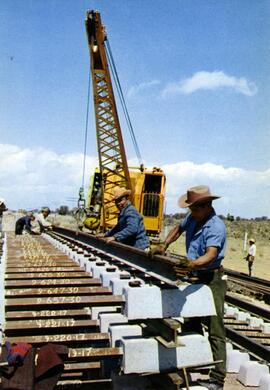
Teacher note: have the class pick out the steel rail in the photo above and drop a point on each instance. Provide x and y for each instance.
(248, 306)
(247, 343)
(240, 275)
(161, 267)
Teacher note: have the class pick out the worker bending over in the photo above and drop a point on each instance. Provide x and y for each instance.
(23, 224)
(130, 228)
(205, 247)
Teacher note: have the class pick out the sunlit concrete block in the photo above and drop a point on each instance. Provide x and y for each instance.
(142, 302)
(193, 300)
(251, 372)
(265, 327)
(140, 355)
(117, 332)
(255, 322)
(187, 353)
(107, 319)
(108, 274)
(117, 285)
(98, 267)
(234, 360)
(231, 311)
(242, 316)
(264, 383)
(197, 387)
(96, 310)
(89, 263)
(229, 347)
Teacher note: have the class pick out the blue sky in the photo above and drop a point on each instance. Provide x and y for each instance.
(195, 75)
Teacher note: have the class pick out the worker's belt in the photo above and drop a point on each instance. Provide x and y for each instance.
(206, 275)
(210, 271)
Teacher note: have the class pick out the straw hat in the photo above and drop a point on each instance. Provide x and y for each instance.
(196, 195)
(252, 240)
(119, 192)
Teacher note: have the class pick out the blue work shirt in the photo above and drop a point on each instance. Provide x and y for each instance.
(130, 229)
(25, 222)
(211, 233)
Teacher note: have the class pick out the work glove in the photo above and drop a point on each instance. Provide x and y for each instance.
(110, 239)
(159, 249)
(183, 267)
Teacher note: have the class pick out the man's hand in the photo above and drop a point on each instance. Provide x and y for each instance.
(183, 267)
(100, 235)
(185, 263)
(110, 239)
(159, 249)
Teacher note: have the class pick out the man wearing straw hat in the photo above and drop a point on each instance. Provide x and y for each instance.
(130, 228)
(205, 247)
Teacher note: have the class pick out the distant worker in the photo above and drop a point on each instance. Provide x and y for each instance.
(205, 247)
(251, 255)
(130, 228)
(41, 219)
(23, 224)
(2, 209)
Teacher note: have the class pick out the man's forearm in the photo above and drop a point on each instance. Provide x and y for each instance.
(172, 236)
(206, 259)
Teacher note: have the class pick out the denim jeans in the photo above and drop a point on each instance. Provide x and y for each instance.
(215, 324)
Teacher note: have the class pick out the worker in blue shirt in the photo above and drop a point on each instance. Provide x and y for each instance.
(130, 228)
(205, 246)
(24, 224)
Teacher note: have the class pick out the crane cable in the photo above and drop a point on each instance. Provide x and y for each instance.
(121, 96)
(86, 127)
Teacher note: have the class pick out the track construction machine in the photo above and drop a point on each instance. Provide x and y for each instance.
(147, 185)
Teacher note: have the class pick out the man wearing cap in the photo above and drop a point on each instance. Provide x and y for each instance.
(41, 219)
(130, 228)
(205, 247)
(251, 255)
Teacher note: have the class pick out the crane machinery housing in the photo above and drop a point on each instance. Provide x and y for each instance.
(147, 185)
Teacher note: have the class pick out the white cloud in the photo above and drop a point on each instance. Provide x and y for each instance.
(31, 178)
(210, 81)
(136, 89)
(243, 193)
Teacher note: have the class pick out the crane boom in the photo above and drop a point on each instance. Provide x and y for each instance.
(147, 185)
(112, 157)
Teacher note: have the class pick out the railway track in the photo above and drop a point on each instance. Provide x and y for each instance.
(252, 286)
(50, 298)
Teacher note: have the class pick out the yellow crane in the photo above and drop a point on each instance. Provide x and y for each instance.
(147, 184)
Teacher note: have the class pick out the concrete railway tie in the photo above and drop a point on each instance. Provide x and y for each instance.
(113, 319)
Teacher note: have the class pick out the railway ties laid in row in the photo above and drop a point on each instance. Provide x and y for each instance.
(62, 291)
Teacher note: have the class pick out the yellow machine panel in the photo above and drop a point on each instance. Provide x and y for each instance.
(148, 187)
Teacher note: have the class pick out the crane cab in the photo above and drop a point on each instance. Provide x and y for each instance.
(148, 188)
